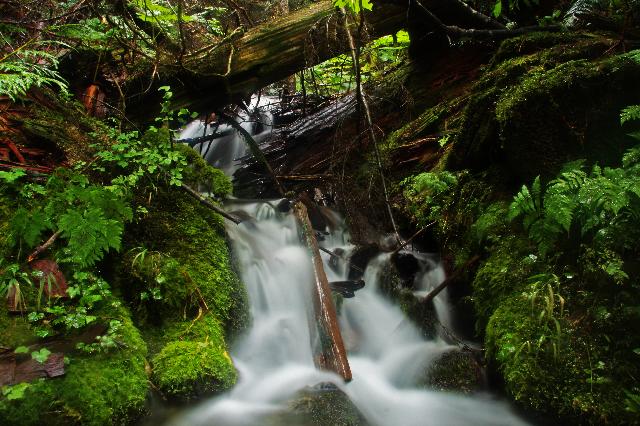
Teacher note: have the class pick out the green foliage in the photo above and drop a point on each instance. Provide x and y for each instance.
(97, 389)
(354, 5)
(146, 160)
(41, 355)
(15, 392)
(28, 66)
(500, 7)
(582, 206)
(336, 75)
(89, 217)
(630, 113)
(12, 280)
(428, 191)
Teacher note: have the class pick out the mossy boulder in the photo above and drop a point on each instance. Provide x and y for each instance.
(547, 99)
(179, 273)
(456, 371)
(322, 405)
(97, 389)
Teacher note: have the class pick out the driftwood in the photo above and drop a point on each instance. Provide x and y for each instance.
(330, 353)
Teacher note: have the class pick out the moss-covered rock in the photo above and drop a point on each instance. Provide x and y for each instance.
(97, 389)
(456, 371)
(185, 368)
(323, 405)
(544, 100)
(179, 274)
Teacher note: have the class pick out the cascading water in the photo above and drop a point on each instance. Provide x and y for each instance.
(224, 151)
(387, 353)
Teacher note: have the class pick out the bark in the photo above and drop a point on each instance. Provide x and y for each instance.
(226, 72)
(330, 351)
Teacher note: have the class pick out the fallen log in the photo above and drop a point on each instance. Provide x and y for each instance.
(330, 351)
(243, 63)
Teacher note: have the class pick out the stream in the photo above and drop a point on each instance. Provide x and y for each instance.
(388, 355)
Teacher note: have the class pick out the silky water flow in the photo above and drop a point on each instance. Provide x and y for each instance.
(387, 353)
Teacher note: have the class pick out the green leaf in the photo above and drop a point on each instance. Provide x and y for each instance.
(497, 9)
(21, 350)
(41, 356)
(12, 176)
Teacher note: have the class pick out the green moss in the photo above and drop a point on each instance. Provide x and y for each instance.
(201, 174)
(63, 126)
(455, 371)
(319, 407)
(193, 368)
(501, 275)
(199, 302)
(540, 105)
(579, 382)
(101, 389)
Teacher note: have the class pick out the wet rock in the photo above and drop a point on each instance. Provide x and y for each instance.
(284, 205)
(407, 266)
(334, 261)
(346, 288)
(321, 405)
(360, 258)
(456, 370)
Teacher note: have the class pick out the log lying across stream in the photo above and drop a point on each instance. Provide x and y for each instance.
(330, 354)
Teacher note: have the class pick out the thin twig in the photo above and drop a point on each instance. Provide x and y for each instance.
(44, 246)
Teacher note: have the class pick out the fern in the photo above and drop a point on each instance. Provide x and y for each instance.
(353, 5)
(90, 218)
(630, 113)
(598, 205)
(26, 68)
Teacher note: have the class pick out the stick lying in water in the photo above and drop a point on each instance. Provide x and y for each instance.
(331, 355)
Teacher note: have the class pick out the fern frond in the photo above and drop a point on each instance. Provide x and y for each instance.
(630, 113)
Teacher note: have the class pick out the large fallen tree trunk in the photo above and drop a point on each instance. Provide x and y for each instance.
(242, 64)
(330, 353)
(316, 145)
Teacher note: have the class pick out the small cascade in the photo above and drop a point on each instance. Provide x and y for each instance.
(388, 354)
(225, 150)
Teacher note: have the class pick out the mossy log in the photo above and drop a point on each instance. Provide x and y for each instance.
(263, 55)
(225, 72)
(331, 354)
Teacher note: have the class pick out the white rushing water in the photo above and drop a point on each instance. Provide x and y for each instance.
(223, 152)
(387, 353)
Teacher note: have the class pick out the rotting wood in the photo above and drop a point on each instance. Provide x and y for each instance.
(331, 354)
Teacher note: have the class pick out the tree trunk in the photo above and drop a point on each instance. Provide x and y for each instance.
(330, 352)
(226, 72)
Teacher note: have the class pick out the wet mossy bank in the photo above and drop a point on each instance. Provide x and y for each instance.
(170, 300)
(559, 326)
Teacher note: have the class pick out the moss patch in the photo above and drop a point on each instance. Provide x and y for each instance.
(108, 388)
(539, 105)
(179, 275)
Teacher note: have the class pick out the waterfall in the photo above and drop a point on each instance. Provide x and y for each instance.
(224, 151)
(387, 353)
